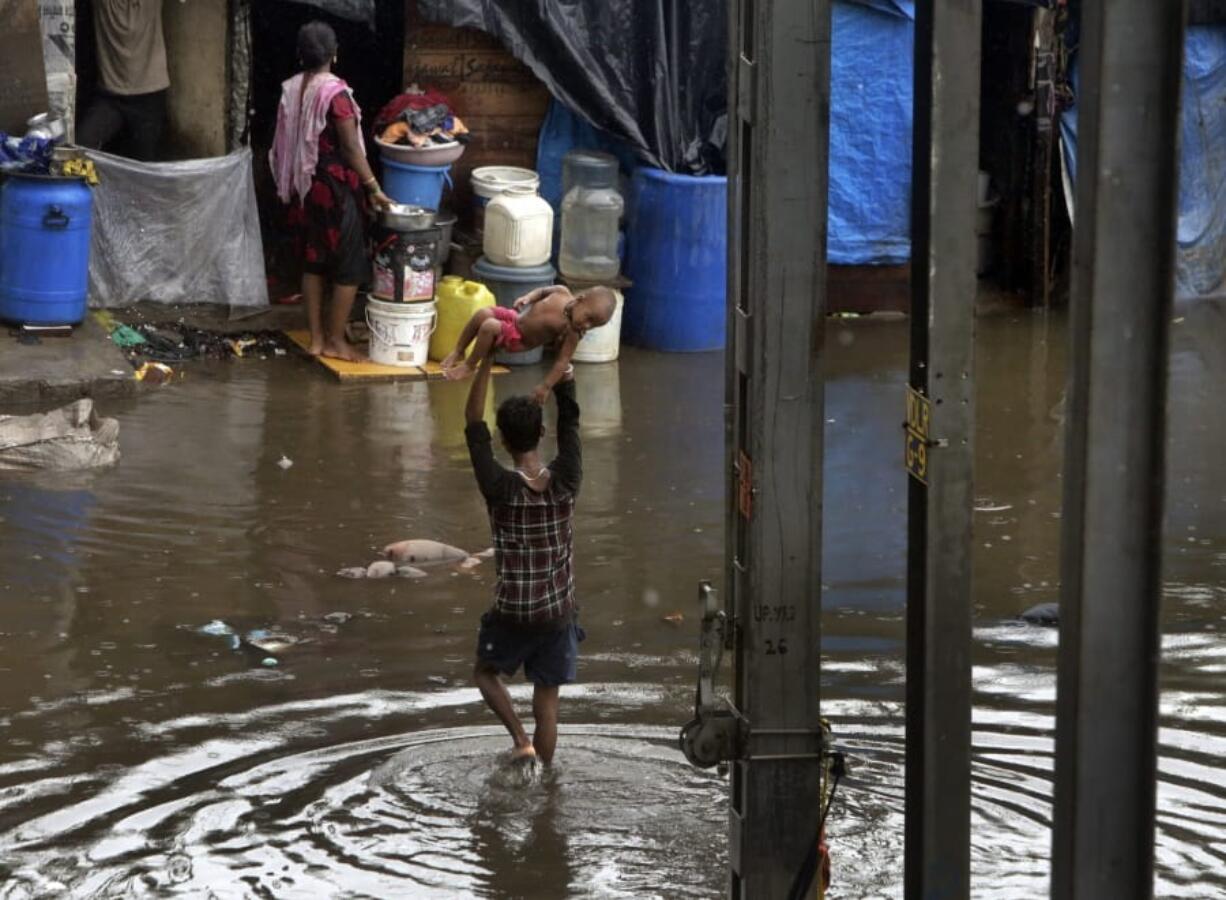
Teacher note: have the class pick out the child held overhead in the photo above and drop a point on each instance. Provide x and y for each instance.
(548, 315)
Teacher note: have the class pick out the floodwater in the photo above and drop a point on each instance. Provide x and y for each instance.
(142, 757)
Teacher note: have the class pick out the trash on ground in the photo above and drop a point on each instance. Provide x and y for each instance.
(155, 373)
(72, 437)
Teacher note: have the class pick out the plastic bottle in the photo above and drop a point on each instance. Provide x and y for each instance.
(592, 208)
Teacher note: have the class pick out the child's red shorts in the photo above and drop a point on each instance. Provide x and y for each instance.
(510, 338)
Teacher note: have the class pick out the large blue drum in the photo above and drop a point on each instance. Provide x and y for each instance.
(44, 249)
(676, 259)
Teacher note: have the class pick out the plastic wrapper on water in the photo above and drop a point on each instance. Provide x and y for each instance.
(180, 232)
(72, 437)
(649, 72)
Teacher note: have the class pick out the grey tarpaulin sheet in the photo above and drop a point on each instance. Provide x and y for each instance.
(648, 72)
(72, 437)
(178, 232)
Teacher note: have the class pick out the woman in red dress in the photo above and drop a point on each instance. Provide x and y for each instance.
(319, 164)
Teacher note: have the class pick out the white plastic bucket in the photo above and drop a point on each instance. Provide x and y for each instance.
(490, 181)
(602, 344)
(400, 332)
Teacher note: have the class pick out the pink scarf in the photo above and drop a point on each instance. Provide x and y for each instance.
(300, 120)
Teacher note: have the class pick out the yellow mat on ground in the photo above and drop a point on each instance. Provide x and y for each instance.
(343, 370)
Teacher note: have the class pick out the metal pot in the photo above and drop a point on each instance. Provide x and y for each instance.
(446, 222)
(406, 217)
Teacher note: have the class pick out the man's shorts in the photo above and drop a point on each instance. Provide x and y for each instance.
(549, 656)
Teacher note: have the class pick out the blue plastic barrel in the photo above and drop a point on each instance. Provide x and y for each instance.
(418, 185)
(507, 284)
(44, 249)
(676, 260)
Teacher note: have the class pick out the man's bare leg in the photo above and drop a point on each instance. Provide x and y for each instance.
(545, 712)
(487, 333)
(497, 699)
(336, 345)
(313, 295)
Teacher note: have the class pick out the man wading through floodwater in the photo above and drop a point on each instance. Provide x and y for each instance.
(533, 621)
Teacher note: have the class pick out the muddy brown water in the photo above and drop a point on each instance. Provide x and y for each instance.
(142, 757)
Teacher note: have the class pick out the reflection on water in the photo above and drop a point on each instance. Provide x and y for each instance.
(143, 757)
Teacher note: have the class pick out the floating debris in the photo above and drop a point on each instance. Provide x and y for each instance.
(338, 618)
(410, 572)
(675, 618)
(421, 552)
(1047, 614)
(216, 628)
(380, 568)
(285, 462)
(993, 507)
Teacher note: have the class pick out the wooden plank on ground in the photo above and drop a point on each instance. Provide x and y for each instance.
(369, 372)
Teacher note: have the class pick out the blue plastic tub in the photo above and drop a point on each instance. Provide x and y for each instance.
(508, 283)
(45, 227)
(418, 185)
(676, 260)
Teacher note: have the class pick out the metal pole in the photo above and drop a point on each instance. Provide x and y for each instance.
(940, 420)
(779, 122)
(1123, 277)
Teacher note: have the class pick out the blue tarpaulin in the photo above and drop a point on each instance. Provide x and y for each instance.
(870, 134)
(1201, 232)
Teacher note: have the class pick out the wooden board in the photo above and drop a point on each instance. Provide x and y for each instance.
(370, 372)
(500, 100)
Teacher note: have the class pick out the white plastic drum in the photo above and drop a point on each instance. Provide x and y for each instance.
(400, 332)
(602, 344)
(518, 228)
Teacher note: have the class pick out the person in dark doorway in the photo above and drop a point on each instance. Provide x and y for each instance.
(534, 619)
(319, 164)
(129, 112)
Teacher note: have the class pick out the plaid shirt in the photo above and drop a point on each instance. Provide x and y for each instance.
(533, 535)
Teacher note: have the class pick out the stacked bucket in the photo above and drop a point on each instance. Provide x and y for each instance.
(411, 247)
(592, 208)
(517, 241)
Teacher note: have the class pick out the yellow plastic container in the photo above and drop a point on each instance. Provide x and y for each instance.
(457, 301)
